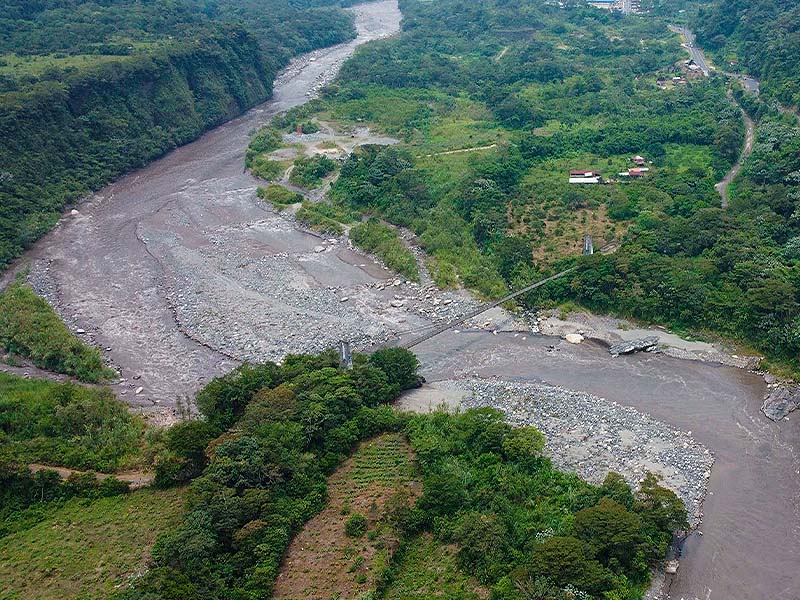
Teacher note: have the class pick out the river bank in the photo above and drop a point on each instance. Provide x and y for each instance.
(179, 272)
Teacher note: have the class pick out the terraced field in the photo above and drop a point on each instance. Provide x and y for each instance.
(332, 558)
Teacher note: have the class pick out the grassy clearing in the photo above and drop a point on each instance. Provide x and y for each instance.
(323, 217)
(380, 239)
(67, 425)
(86, 549)
(323, 561)
(428, 569)
(279, 196)
(30, 328)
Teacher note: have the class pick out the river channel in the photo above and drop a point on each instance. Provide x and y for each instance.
(155, 269)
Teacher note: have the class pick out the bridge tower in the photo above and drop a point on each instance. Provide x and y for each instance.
(588, 245)
(345, 355)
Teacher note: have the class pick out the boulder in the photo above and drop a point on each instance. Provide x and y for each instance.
(629, 347)
(780, 401)
(574, 338)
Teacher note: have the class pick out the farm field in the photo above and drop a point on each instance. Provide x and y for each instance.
(333, 558)
(86, 549)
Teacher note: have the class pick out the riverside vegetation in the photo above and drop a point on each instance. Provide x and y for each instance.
(92, 90)
(256, 466)
(272, 434)
(532, 91)
(30, 328)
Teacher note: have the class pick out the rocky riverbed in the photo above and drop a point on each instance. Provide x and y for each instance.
(586, 434)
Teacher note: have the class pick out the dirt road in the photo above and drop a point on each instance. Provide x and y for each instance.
(747, 150)
(700, 60)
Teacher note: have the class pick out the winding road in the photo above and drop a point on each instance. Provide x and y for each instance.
(177, 271)
(747, 150)
(700, 60)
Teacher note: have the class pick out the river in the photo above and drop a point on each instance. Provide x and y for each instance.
(177, 271)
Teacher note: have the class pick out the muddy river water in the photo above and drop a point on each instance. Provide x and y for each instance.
(154, 264)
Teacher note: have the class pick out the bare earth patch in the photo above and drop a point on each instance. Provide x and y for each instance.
(322, 560)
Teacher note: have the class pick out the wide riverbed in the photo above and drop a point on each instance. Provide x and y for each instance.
(178, 272)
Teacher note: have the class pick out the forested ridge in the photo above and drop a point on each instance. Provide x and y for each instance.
(760, 38)
(91, 90)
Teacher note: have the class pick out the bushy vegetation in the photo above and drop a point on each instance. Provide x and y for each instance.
(309, 172)
(279, 196)
(273, 433)
(288, 426)
(62, 425)
(96, 89)
(67, 425)
(759, 38)
(30, 328)
(324, 217)
(381, 240)
(519, 522)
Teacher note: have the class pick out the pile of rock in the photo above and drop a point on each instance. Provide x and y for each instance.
(593, 436)
(781, 399)
(647, 344)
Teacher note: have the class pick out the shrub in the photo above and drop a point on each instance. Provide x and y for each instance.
(309, 172)
(356, 525)
(279, 196)
(30, 328)
(381, 240)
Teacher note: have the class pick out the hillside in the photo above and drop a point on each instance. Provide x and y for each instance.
(496, 105)
(758, 38)
(89, 91)
(86, 549)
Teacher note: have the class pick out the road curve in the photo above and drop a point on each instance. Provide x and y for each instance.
(700, 60)
(747, 150)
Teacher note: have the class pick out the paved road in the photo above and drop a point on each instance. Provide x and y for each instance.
(691, 45)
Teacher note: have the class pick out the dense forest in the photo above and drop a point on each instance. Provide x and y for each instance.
(535, 91)
(272, 434)
(91, 90)
(758, 38)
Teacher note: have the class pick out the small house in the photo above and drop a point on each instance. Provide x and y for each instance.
(635, 172)
(584, 177)
(639, 160)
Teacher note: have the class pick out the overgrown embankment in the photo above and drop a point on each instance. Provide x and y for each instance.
(91, 93)
(64, 139)
(30, 328)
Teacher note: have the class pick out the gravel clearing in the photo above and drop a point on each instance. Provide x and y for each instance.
(591, 435)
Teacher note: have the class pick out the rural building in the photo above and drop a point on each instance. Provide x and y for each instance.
(636, 172)
(607, 4)
(639, 160)
(584, 177)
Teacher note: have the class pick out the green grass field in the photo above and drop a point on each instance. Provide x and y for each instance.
(29, 327)
(86, 549)
(427, 570)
